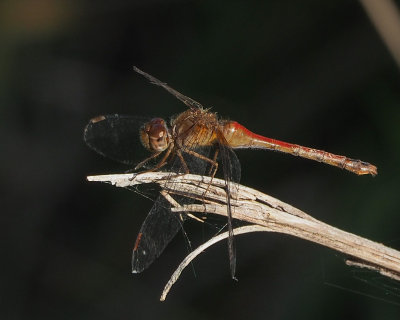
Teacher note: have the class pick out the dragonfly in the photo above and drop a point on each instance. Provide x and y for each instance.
(195, 141)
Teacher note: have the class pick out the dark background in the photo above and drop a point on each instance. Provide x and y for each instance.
(310, 72)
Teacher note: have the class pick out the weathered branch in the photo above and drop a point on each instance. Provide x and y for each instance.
(254, 207)
(191, 256)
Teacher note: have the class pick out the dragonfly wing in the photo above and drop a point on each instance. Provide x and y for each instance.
(186, 100)
(231, 171)
(159, 228)
(116, 137)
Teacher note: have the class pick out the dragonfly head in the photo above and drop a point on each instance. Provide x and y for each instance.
(154, 135)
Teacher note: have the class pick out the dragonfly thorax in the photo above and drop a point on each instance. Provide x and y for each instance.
(155, 136)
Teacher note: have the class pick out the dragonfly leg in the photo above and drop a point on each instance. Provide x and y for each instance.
(212, 172)
(161, 163)
(142, 163)
(214, 163)
(186, 168)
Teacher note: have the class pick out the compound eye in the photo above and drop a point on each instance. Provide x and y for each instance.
(155, 135)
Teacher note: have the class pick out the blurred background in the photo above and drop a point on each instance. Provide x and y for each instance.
(315, 73)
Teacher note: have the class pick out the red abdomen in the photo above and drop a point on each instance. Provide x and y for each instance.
(238, 137)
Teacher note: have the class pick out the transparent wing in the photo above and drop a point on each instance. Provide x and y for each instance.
(231, 172)
(186, 100)
(116, 137)
(158, 229)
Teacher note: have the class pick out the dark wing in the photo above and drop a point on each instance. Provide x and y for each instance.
(186, 100)
(116, 137)
(158, 229)
(231, 171)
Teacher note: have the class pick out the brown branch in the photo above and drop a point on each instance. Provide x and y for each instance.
(254, 207)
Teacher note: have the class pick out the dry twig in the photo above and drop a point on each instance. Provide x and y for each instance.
(267, 213)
